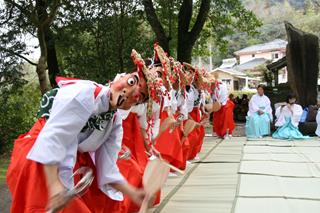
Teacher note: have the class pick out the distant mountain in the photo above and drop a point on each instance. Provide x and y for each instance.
(298, 4)
(252, 4)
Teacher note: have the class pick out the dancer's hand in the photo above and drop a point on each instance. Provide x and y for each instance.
(198, 125)
(57, 200)
(137, 196)
(55, 188)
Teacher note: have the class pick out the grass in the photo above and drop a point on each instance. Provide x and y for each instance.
(4, 163)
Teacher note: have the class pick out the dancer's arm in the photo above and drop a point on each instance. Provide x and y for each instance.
(135, 194)
(55, 188)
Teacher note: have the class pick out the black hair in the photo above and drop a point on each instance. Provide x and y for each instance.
(188, 88)
(260, 86)
(290, 96)
(148, 62)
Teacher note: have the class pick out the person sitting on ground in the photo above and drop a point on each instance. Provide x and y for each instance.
(245, 99)
(288, 117)
(318, 123)
(259, 115)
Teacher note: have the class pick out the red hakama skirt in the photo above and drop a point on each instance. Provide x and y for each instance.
(196, 136)
(133, 139)
(26, 179)
(223, 120)
(169, 145)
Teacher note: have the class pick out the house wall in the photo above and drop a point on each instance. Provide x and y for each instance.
(267, 55)
(227, 78)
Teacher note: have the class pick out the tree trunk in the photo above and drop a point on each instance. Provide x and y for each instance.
(52, 60)
(43, 75)
(42, 63)
(184, 50)
(156, 25)
(186, 38)
(43, 22)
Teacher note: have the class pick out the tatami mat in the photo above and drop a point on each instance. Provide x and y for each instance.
(240, 176)
(211, 184)
(276, 205)
(279, 176)
(282, 187)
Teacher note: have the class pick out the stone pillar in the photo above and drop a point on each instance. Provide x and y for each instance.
(303, 64)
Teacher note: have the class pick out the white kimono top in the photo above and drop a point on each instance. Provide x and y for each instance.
(283, 112)
(141, 111)
(220, 94)
(195, 98)
(170, 101)
(318, 123)
(62, 135)
(262, 103)
(182, 104)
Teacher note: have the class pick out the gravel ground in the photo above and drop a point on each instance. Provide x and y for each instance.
(5, 198)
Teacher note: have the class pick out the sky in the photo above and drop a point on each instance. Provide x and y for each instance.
(30, 41)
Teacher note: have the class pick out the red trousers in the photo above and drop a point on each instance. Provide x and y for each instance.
(196, 136)
(169, 145)
(223, 120)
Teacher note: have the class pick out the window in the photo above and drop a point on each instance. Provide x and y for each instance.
(226, 81)
(275, 55)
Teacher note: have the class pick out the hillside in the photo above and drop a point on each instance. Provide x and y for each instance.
(266, 4)
(304, 15)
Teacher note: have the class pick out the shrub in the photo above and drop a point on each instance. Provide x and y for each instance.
(17, 113)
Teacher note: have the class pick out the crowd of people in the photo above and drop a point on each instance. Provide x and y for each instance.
(156, 111)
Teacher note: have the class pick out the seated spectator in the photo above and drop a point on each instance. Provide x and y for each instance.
(259, 115)
(288, 117)
(318, 123)
(237, 100)
(245, 99)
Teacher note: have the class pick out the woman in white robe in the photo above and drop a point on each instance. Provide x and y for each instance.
(83, 118)
(288, 117)
(318, 123)
(259, 115)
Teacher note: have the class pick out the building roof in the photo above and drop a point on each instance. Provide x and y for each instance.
(277, 65)
(228, 63)
(250, 64)
(276, 44)
(230, 71)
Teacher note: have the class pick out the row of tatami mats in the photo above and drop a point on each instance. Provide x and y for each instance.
(279, 176)
(210, 185)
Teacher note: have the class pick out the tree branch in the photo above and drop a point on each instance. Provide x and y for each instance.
(201, 19)
(185, 15)
(52, 13)
(23, 10)
(9, 17)
(155, 24)
(29, 61)
(17, 54)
